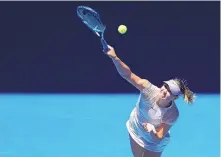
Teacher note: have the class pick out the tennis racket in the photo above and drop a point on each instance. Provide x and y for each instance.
(92, 19)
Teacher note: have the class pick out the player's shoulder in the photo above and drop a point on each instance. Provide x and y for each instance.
(148, 87)
(175, 110)
(171, 115)
(144, 83)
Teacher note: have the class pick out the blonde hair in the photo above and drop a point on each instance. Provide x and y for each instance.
(189, 96)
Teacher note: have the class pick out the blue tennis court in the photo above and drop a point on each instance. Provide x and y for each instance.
(93, 125)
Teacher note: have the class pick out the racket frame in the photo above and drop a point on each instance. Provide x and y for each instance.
(96, 31)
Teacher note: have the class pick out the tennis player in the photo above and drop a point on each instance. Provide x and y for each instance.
(155, 111)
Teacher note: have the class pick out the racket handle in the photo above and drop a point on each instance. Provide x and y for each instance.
(104, 44)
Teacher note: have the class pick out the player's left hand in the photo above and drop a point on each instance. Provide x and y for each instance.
(149, 127)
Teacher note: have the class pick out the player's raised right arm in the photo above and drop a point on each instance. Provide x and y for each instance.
(126, 72)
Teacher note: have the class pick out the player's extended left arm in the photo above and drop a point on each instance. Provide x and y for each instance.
(159, 133)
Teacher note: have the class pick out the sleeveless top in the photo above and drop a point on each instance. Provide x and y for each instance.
(146, 110)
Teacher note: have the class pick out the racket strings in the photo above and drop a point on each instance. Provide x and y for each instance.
(91, 18)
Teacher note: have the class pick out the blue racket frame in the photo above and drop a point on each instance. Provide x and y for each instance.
(91, 18)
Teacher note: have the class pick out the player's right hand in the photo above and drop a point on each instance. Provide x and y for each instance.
(111, 53)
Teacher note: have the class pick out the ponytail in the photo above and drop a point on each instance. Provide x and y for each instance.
(189, 96)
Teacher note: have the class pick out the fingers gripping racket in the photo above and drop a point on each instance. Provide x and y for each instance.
(92, 19)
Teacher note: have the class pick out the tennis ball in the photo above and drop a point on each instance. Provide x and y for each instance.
(122, 29)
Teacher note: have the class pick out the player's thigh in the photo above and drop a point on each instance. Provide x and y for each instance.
(139, 151)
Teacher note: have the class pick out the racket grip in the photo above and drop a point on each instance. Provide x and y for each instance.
(104, 44)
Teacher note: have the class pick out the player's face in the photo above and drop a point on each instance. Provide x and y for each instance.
(165, 93)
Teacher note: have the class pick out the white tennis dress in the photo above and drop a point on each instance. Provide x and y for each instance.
(147, 110)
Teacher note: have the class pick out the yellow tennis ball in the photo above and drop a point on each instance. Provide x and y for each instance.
(122, 29)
